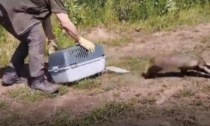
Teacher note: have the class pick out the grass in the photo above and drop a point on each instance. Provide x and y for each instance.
(134, 64)
(122, 41)
(104, 83)
(101, 84)
(115, 81)
(25, 94)
(3, 105)
(192, 16)
(185, 93)
(148, 101)
(88, 84)
(105, 113)
(206, 89)
(6, 50)
(206, 42)
(15, 118)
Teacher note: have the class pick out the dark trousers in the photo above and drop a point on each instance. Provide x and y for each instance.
(33, 45)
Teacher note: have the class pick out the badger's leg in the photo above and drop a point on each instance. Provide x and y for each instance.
(183, 71)
(154, 71)
(147, 72)
(151, 71)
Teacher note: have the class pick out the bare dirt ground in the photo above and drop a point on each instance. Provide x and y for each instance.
(165, 101)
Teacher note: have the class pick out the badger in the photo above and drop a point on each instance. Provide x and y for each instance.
(180, 62)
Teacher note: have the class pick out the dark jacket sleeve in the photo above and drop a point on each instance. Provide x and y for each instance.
(47, 26)
(57, 6)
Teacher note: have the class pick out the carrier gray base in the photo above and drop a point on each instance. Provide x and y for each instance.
(79, 71)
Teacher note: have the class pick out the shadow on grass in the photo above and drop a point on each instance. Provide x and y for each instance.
(25, 73)
(178, 74)
(86, 83)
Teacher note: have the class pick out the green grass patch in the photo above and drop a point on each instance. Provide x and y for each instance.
(7, 47)
(106, 113)
(26, 94)
(87, 84)
(192, 16)
(91, 13)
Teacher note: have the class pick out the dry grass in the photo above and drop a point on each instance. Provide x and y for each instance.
(134, 64)
(25, 94)
(104, 114)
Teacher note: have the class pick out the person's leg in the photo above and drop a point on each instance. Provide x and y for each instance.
(36, 43)
(15, 70)
(19, 56)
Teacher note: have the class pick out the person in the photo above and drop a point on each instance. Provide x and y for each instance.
(24, 20)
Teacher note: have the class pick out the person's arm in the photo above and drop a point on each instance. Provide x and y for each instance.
(68, 26)
(58, 8)
(71, 29)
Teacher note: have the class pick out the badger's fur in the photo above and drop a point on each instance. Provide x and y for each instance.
(175, 61)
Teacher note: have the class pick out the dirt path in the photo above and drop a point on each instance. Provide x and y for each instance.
(183, 39)
(162, 92)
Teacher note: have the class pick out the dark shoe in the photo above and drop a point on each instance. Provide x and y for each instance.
(42, 84)
(11, 77)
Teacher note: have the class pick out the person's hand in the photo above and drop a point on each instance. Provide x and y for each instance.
(52, 46)
(87, 44)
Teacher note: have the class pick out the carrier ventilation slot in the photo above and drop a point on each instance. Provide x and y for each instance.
(79, 53)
